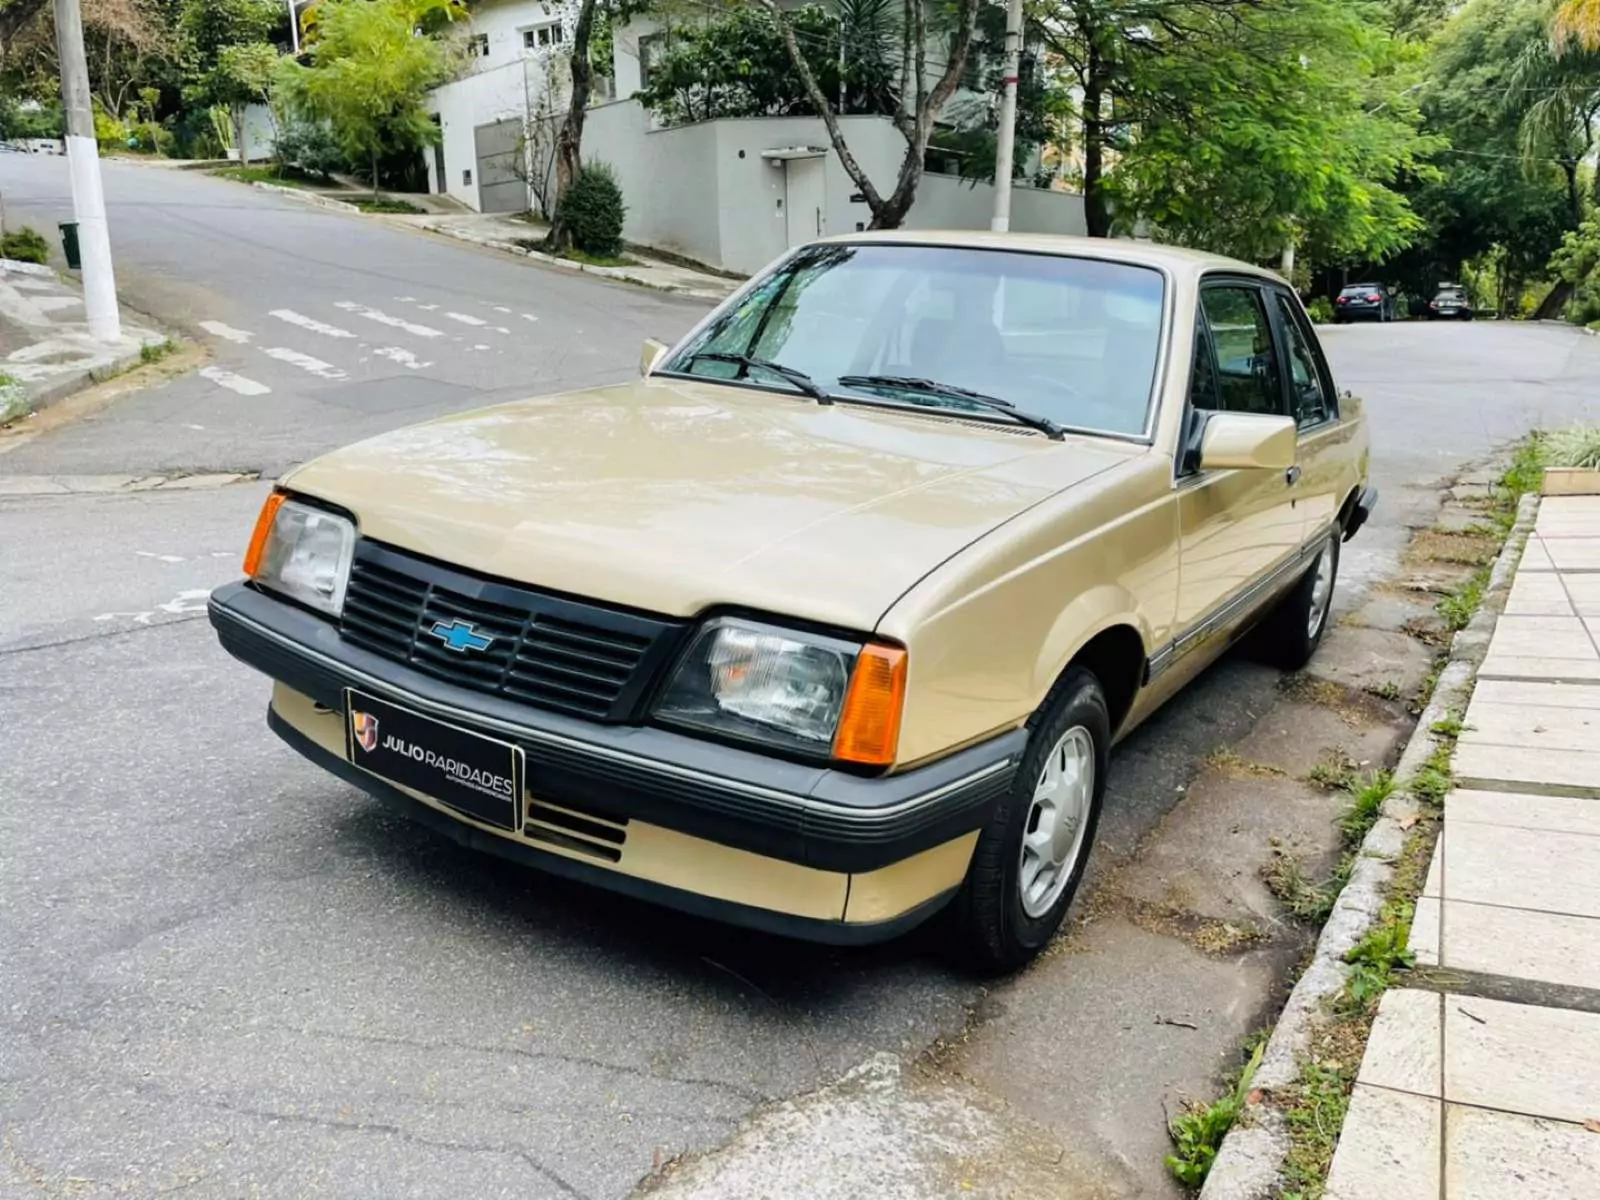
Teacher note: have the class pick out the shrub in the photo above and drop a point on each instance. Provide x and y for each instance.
(1320, 310)
(25, 245)
(592, 211)
(19, 120)
(152, 138)
(109, 132)
(310, 148)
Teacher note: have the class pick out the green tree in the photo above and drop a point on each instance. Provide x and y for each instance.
(371, 67)
(919, 105)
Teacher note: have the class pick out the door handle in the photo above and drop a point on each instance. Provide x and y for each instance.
(1292, 475)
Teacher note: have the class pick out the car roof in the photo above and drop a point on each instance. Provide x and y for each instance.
(1177, 260)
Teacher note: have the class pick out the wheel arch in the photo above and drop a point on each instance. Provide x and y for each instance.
(1115, 655)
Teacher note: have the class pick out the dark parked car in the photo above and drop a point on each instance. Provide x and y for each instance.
(1364, 301)
(1450, 304)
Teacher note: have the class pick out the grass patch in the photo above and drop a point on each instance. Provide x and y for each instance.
(1458, 608)
(1197, 1133)
(1388, 690)
(1305, 898)
(598, 260)
(155, 352)
(1336, 773)
(1449, 726)
(1433, 779)
(283, 178)
(1366, 802)
(386, 204)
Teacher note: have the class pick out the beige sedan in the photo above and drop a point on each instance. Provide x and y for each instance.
(827, 624)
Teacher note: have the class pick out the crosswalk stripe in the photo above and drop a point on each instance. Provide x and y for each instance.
(305, 362)
(234, 383)
(465, 319)
(383, 318)
(226, 332)
(404, 357)
(311, 323)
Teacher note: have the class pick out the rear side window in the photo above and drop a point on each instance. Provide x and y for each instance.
(1311, 400)
(1248, 376)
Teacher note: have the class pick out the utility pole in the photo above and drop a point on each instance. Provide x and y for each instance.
(294, 29)
(83, 164)
(1006, 137)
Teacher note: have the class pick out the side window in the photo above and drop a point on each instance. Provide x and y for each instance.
(1248, 375)
(1311, 401)
(1203, 380)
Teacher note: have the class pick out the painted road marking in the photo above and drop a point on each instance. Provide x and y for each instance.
(465, 319)
(311, 323)
(190, 600)
(234, 383)
(383, 318)
(529, 317)
(404, 357)
(305, 362)
(227, 332)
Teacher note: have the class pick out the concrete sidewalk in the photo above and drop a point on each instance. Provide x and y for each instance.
(44, 339)
(505, 233)
(1490, 1087)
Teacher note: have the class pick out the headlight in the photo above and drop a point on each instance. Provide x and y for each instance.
(302, 552)
(794, 691)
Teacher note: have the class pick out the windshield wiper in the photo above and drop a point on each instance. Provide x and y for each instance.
(802, 382)
(933, 387)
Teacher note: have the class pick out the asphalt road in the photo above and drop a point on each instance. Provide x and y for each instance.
(227, 973)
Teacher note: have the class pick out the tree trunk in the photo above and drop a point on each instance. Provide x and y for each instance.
(374, 174)
(1569, 167)
(1555, 300)
(569, 141)
(916, 128)
(1096, 215)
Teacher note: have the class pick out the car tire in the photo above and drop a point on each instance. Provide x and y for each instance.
(1293, 632)
(1000, 925)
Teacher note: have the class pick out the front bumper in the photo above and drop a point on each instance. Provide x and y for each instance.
(805, 816)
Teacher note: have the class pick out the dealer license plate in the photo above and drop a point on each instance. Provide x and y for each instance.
(473, 774)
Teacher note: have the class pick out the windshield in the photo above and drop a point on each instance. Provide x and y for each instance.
(1359, 287)
(1073, 340)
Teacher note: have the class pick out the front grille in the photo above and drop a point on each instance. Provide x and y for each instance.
(548, 651)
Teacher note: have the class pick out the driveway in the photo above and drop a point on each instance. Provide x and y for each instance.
(228, 973)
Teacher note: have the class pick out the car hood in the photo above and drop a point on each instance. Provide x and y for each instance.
(674, 496)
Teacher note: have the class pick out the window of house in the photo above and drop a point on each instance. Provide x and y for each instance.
(478, 45)
(652, 49)
(543, 37)
(1310, 399)
(1248, 378)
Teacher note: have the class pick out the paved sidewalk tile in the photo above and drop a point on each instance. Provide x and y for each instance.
(1425, 931)
(1541, 1062)
(1483, 764)
(1558, 695)
(1559, 814)
(1499, 1156)
(1389, 1147)
(1521, 868)
(1534, 557)
(1516, 943)
(1532, 726)
(1539, 595)
(1573, 553)
(1403, 1050)
(1544, 637)
(1549, 670)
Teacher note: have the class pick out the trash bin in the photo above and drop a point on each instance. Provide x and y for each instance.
(69, 244)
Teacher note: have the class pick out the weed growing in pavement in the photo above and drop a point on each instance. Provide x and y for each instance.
(1457, 609)
(1314, 1108)
(155, 352)
(1433, 779)
(1231, 763)
(1448, 726)
(1197, 1134)
(1306, 899)
(1335, 773)
(1375, 958)
(1366, 802)
(1387, 690)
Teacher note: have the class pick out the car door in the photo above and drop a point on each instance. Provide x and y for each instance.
(1314, 406)
(1238, 529)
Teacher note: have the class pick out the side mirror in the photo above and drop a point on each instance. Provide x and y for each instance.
(651, 354)
(1241, 441)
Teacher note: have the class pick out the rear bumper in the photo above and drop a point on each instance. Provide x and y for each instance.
(859, 832)
(1361, 511)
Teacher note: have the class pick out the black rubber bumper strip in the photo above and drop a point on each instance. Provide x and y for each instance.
(1365, 503)
(808, 929)
(799, 813)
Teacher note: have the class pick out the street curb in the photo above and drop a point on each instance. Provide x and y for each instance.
(1249, 1163)
(306, 197)
(624, 274)
(56, 390)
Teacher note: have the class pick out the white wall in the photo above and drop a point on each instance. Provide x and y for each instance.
(502, 22)
(947, 202)
(260, 133)
(493, 95)
(668, 178)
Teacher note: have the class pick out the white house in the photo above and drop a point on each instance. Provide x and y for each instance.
(732, 192)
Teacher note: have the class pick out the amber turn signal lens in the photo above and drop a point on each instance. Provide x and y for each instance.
(869, 726)
(258, 539)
